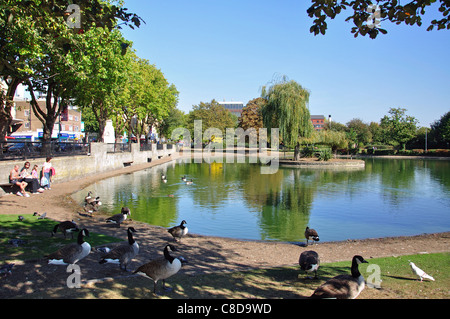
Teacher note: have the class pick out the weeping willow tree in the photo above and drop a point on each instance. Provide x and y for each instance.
(287, 109)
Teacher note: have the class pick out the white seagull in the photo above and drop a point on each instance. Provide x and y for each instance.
(419, 272)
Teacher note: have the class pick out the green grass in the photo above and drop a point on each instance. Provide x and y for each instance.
(37, 237)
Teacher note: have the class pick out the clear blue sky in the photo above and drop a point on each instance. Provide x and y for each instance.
(229, 49)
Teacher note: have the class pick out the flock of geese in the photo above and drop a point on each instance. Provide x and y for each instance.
(339, 287)
(122, 254)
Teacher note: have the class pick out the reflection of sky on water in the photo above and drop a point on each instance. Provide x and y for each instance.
(388, 198)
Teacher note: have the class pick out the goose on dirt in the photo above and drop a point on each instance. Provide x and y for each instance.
(161, 268)
(119, 218)
(72, 253)
(123, 254)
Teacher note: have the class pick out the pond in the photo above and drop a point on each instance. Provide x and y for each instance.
(390, 197)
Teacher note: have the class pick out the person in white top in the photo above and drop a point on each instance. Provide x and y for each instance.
(47, 173)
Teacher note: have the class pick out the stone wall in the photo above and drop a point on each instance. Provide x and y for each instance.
(73, 167)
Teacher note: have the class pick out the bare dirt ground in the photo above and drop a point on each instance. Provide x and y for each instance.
(205, 254)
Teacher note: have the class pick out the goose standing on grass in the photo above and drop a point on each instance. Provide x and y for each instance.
(123, 254)
(72, 253)
(119, 218)
(66, 227)
(420, 273)
(161, 268)
(309, 261)
(178, 231)
(311, 234)
(343, 286)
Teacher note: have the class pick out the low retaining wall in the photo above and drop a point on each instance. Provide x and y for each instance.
(73, 167)
(332, 164)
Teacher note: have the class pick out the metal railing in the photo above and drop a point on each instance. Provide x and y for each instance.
(11, 150)
(118, 148)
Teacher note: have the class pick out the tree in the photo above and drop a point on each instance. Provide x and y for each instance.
(398, 128)
(36, 35)
(287, 109)
(376, 131)
(366, 15)
(441, 130)
(102, 71)
(175, 119)
(147, 100)
(363, 134)
(251, 115)
(212, 114)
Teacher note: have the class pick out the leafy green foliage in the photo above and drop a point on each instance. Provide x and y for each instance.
(287, 109)
(398, 128)
(390, 10)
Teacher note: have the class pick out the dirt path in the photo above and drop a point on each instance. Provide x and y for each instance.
(205, 254)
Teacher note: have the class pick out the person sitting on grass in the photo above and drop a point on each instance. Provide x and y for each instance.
(15, 179)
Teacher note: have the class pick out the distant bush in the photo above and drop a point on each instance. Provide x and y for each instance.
(324, 155)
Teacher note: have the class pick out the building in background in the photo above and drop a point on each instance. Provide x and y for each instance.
(318, 122)
(27, 126)
(234, 107)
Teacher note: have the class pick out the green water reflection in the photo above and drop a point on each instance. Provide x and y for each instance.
(387, 198)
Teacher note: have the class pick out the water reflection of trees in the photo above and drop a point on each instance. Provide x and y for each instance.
(283, 202)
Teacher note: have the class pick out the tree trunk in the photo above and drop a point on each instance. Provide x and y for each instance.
(297, 152)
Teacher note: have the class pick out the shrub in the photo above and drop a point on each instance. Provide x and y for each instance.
(324, 155)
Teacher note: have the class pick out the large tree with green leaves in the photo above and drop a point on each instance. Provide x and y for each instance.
(398, 127)
(367, 15)
(287, 109)
(213, 116)
(35, 38)
(441, 130)
(147, 99)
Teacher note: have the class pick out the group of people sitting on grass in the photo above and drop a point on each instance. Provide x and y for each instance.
(32, 180)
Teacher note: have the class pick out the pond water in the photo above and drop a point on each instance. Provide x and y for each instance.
(390, 197)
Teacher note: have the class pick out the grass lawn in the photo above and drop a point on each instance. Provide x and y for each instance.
(36, 237)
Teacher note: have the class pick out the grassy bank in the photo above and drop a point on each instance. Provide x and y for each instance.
(35, 238)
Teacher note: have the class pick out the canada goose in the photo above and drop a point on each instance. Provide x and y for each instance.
(420, 273)
(88, 197)
(163, 176)
(343, 286)
(66, 227)
(178, 231)
(311, 234)
(6, 270)
(91, 207)
(164, 181)
(71, 253)
(123, 254)
(161, 268)
(184, 179)
(189, 182)
(94, 201)
(119, 218)
(309, 261)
